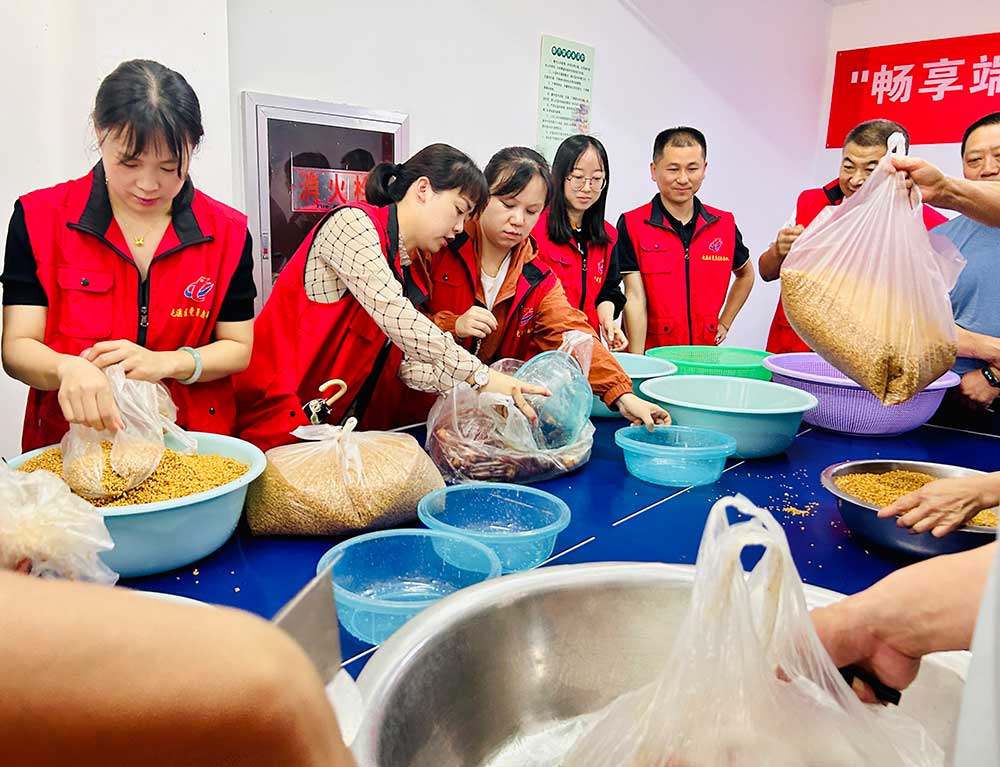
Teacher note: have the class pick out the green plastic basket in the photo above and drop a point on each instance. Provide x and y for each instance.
(715, 361)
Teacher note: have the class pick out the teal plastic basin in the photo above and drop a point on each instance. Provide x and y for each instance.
(676, 456)
(762, 417)
(156, 537)
(639, 368)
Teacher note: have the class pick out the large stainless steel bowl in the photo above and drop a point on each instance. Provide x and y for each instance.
(499, 662)
(862, 518)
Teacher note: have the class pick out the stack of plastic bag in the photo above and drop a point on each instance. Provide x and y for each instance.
(867, 288)
(340, 480)
(54, 532)
(748, 682)
(103, 464)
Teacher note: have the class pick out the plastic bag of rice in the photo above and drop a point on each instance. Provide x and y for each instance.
(340, 480)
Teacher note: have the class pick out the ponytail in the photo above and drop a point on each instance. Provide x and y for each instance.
(443, 165)
(379, 183)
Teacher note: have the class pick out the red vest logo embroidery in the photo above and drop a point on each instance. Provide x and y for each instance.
(527, 316)
(199, 289)
(716, 245)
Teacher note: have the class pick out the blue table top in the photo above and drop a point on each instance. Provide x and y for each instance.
(617, 517)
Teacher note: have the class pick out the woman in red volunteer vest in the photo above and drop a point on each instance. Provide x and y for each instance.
(345, 307)
(489, 289)
(575, 241)
(864, 146)
(129, 264)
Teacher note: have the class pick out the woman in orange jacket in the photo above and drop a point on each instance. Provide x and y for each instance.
(491, 292)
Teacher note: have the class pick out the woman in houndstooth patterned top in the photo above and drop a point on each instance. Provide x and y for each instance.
(345, 306)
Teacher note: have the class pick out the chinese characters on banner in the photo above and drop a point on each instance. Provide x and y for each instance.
(935, 88)
(317, 190)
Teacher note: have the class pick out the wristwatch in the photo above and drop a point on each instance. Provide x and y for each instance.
(991, 378)
(480, 378)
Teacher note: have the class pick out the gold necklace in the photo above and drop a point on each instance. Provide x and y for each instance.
(137, 240)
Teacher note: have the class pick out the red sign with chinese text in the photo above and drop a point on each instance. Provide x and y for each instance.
(935, 88)
(317, 190)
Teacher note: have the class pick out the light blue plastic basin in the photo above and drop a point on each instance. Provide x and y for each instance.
(518, 523)
(677, 456)
(762, 417)
(381, 580)
(156, 537)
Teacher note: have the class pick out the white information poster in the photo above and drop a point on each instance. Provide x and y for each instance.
(565, 82)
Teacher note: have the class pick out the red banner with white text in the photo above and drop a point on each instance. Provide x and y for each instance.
(934, 88)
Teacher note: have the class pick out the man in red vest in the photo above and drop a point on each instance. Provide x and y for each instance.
(864, 146)
(679, 256)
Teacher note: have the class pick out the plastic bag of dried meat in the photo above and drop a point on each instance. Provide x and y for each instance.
(103, 464)
(48, 531)
(476, 437)
(340, 480)
(867, 288)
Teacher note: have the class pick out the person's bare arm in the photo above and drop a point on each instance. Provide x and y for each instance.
(923, 608)
(635, 312)
(98, 676)
(978, 346)
(973, 198)
(739, 292)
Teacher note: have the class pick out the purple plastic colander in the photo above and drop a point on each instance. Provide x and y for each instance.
(846, 407)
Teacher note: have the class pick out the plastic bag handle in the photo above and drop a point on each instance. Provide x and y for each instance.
(897, 144)
(752, 535)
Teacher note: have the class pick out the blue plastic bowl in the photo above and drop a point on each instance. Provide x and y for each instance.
(519, 523)
(678, 456)
(562, 416)
(156, 537)
(639, 368)
(381, 580)
(762, 417)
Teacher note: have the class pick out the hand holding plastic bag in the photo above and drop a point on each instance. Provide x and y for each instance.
(58, 533)
(482, 437)
(103, 464)
(748, 681)
(562, 415)
(867, 288)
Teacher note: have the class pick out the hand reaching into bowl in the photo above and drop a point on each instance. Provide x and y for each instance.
(944, 505)
(639, 412)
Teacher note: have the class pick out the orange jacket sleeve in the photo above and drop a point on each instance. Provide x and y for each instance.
(555, 317)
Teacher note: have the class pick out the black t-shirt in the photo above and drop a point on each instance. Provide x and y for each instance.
(611, 289)
(21, 286)
(628, 261)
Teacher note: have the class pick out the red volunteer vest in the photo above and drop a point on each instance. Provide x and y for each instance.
(685, 291)
(582, 275)
(300, 343)
(454, 277)
(782, 337)
(94, 292)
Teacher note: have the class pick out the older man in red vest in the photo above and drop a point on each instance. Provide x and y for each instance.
(863, 148)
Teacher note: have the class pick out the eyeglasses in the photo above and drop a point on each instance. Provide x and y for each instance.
(577, 183)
